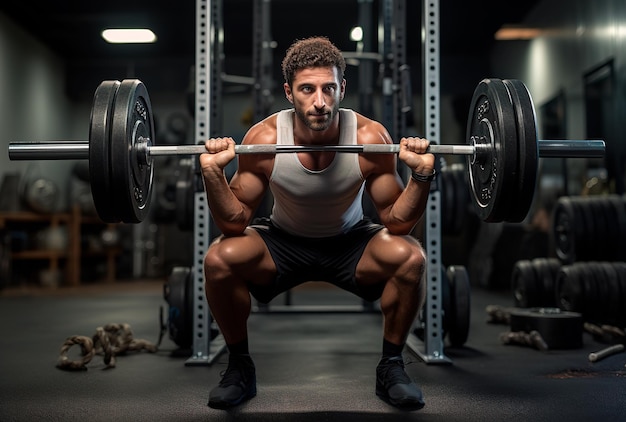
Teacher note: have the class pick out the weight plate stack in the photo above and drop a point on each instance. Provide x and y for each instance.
(528, 150)
(589, 228)
(491, 127)
(99, 147)
(132, 123)
(597, 290)
(533, 282)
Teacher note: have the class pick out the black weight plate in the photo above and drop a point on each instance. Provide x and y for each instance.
(447, 199)
(592, 297)
(554, 266)
(612, 240)
(603, 306)
(559, 329)
(185, 195)
(99, 150)
(459, 321)
(527, 147)
(564, 230)
(620, 269)
(131, 176)
(601, 235)
(587, 248)
(524, 286)
(545, 281)
(614, 291)
(461, 196)
(178, 293)
(493, 172)
(570, 288)
(618, 217)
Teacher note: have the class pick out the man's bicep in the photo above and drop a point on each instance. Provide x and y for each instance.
(249, 188)
(384, 189)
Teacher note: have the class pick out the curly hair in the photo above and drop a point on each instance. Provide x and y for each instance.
(311, 52)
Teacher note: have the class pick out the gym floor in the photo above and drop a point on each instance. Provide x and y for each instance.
(310, 366)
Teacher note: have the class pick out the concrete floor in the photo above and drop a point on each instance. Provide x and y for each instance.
(310, 367)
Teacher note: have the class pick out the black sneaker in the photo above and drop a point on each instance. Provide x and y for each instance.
(394, 386)
(238, 383)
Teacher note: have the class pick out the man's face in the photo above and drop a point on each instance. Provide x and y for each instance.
(316, 94)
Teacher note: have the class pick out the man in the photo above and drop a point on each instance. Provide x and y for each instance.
(316, 230)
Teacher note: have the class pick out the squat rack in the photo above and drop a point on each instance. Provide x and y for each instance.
(209, 49)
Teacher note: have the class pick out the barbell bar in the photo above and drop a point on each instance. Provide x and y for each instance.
(501, 147)
(79, 150)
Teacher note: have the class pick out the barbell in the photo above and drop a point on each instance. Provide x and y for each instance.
(501, 147)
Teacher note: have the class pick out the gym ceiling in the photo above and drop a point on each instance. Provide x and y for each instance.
(72, 29)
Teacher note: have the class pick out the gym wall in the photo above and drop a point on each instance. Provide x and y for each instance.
(33, 104)
(579, 36)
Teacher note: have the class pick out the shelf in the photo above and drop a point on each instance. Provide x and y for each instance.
(73, 255)
(39, 254)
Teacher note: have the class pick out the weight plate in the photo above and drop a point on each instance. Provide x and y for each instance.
(448, 199)
(527, 149)
(185, 195)
(614, 292)
(493, 170)
(559, 329)
(524, 286)
(131, 171)
(590, 292)
(620, 268)
(570, 288)
(545, 273)
(459, 320)
(601, 234)
(587, 247)
(564, 230)
(462, 196)
(603, 305)
(618, 217)
(178, 293)
(99, 149)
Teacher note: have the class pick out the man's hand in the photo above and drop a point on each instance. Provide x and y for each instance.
(413, 154)
(220, 152)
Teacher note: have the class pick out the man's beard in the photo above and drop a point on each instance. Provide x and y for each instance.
(313, 122)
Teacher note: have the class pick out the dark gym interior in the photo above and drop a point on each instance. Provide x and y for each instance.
(526, 317)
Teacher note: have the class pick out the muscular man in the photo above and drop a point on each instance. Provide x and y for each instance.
(316, 230)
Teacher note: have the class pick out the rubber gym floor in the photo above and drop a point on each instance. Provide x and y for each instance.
(310, 366)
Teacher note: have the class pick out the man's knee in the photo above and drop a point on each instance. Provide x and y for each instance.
(407, 259)
(217, 262)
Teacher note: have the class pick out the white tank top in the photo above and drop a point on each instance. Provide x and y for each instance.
(316, 203)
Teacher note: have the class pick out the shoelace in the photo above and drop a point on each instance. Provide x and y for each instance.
(233, 375)
(393, 372)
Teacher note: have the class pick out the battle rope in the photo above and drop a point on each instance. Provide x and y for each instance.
(111, 340)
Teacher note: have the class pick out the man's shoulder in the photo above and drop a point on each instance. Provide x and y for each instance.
(263, 132)
(370, 131)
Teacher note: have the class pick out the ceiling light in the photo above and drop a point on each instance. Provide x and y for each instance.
(128, 36)
(356, 34)
(509, 33)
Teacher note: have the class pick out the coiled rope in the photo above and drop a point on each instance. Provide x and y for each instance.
(110, 341)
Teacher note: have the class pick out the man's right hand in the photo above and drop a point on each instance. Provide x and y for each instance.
(220, 152)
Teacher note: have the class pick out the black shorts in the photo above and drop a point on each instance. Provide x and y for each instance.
(301, 259)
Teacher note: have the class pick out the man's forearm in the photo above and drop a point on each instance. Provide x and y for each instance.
(227, 211)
